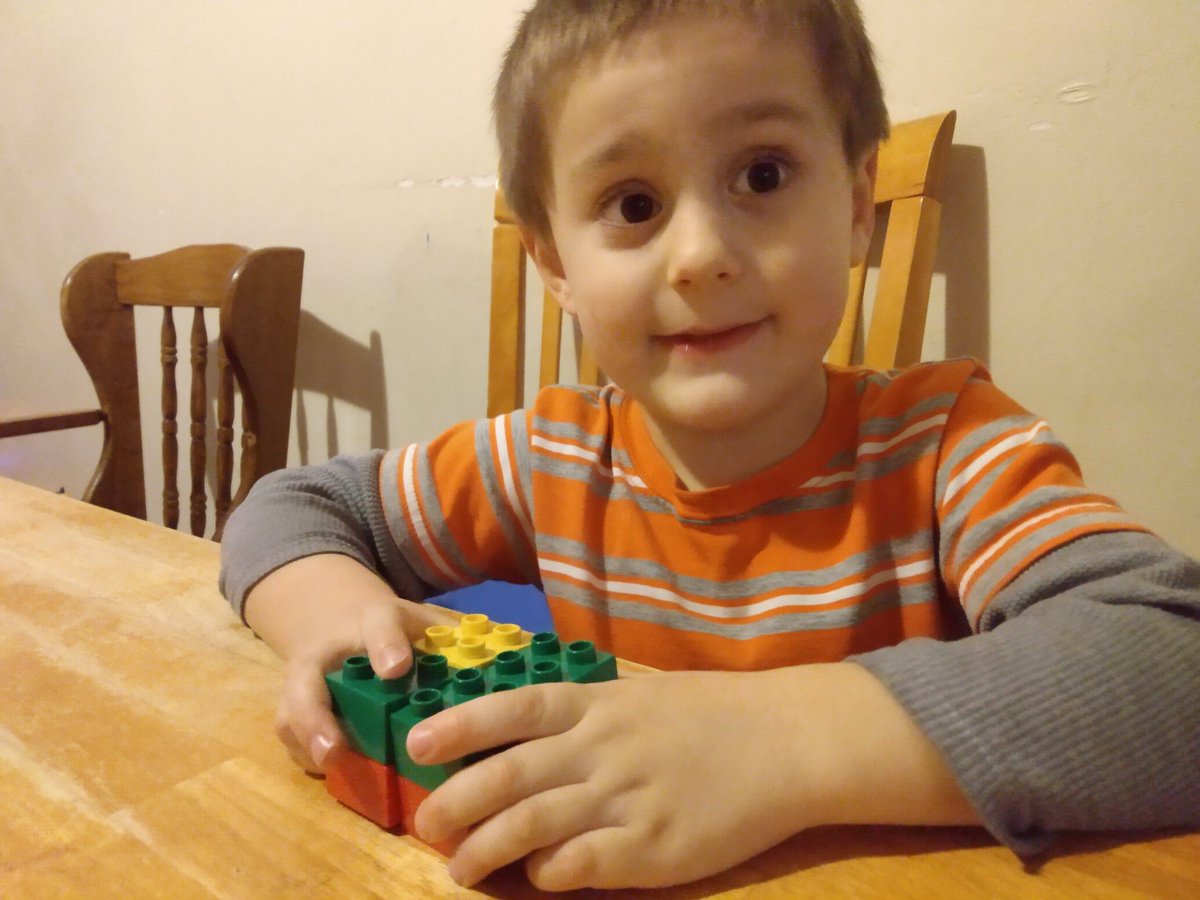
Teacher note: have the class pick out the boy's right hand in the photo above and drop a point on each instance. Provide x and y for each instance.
(315, 612)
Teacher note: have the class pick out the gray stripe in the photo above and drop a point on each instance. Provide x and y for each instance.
(987, 531)
(881, 425)
(609, 567)
(390, 488)
(493, 488)
(435, 521)
(1045, 535)
(883, 599)
(972, 443)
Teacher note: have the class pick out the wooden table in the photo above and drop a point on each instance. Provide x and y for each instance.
(137, 758)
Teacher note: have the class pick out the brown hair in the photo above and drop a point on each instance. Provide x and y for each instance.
(555, 35)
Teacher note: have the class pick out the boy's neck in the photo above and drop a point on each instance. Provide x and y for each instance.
(704, 459)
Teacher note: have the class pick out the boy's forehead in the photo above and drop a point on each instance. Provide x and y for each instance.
(727, 74)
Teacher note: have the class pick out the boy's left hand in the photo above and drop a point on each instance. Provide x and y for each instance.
(647, 781)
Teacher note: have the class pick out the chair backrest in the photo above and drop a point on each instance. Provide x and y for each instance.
(912, 164)
(258, 295)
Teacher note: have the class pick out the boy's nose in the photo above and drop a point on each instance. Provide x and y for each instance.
(700, 250)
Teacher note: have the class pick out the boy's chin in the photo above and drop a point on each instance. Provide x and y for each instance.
(717, 408)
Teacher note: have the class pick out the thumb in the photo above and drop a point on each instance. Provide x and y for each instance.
(385, 641)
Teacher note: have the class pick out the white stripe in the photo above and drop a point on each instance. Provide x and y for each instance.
(969, 575)
(833, 595)
(564, 449)
(1016, 440)
(875, 448)
(915, 428)
(507, 477)
(409, 467)
(590, 456)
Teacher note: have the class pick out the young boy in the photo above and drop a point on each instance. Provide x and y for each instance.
(923, 614)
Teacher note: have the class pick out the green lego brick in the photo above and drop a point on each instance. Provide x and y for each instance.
(423, 704)
(378, 715)
(362, 702)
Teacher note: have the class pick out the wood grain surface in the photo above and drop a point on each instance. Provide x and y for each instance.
(137, 759)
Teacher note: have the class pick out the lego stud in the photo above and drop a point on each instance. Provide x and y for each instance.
(468, 683)
(472, 648)
(510, 662)
(546, 671)
(544, 643)
(581, 653)
(432, 671)
(506, 635)
(474, 624)
(503, 686)
(426, 702)
(357, 668)
(440, 636)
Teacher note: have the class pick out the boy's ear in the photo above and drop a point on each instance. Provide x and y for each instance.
(545, 256)
(864, 206)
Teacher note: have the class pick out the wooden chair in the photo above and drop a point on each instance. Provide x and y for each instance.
(258, 295)
(912, 165)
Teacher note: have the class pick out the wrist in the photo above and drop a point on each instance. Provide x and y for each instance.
(859, 758)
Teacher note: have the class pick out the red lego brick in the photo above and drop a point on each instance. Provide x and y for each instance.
(412, 795)
(366, 786)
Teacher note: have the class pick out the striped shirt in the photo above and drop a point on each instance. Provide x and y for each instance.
(920, 495)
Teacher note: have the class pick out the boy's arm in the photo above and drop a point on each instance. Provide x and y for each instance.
(310, 565)
(1075, 707)
(294, 513)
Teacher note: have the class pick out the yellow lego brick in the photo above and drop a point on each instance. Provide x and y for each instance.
(474, 643)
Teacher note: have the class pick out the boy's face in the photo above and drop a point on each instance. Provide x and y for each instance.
(704, 221)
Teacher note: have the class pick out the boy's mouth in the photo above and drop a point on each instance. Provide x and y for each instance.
(701, 341)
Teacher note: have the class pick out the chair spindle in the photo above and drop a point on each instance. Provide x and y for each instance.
(170, 427)
(224, 436)
(199, 411)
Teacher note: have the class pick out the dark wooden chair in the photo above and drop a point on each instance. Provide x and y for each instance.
(258, 295)
(912, 165)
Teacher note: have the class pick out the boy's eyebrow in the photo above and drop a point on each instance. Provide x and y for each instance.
(746, 114)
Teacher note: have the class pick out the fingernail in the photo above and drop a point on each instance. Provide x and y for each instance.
(419, 742)
(320, 747)
(390, 657)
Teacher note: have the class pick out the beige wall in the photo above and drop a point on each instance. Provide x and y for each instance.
(359, 131)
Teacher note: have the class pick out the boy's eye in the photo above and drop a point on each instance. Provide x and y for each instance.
(631, 209)
(761, 177)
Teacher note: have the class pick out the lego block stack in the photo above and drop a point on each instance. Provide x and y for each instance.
(374, 775)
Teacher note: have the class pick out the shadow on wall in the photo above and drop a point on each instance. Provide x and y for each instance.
(964, 254)
(330, 363)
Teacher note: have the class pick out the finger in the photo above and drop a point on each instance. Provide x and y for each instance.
(543, 820)
(497, 719)
(386, 631)
(306, 722)
(595, 858)
(495, 784)
(385, 641)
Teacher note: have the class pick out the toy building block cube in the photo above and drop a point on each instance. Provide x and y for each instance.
(362, 701)
(474, 643)
(378, 715)
(366, 786)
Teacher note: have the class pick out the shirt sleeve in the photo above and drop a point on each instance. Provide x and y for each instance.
(1074, 707)
(427, 518)
(1008, 492)
(293, 513)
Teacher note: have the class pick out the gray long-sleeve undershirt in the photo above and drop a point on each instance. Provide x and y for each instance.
(1077, 706)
